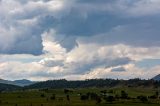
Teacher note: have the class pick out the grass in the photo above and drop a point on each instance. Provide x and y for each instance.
(34, 98)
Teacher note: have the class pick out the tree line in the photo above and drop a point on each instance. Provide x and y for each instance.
(54, 84)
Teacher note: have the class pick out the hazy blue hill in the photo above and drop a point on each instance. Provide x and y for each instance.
(8, 87)
(157, 78)
(23, 82)
(6, 81)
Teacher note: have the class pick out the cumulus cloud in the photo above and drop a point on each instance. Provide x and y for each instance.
(78, 38)
(116, 61)
(23, 26)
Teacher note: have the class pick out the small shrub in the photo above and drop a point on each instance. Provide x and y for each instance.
(124, 95)
(42, 95)
(98, 100)
(109, 99)
(53, 97)
(84, 97)
(142, 98)
(68, 98)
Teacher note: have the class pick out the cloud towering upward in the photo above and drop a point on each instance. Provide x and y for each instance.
(78, 39)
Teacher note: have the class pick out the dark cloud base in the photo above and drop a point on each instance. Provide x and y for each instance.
(82, 19)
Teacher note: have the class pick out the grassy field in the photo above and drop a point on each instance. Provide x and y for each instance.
(43, 97)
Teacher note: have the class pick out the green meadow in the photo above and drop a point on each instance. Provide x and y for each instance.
(57, 97)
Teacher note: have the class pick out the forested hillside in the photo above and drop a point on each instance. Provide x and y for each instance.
(94, 83)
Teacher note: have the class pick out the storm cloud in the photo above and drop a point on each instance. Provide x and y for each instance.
(23, 22)
(78, 38)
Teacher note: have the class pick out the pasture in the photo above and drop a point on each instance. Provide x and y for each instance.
(79, 97)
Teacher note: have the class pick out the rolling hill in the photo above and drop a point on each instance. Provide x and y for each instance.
(8, 87)
(22, 82)
(56, 84)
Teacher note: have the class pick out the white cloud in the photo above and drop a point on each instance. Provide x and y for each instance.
(51, 46)
(79, 39)
(79, 63)
(20, 24)
(23, 22)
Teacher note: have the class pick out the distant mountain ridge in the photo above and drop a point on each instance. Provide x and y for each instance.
(23, 82)
(58, 84)
(8, 87)
(6, 82)
(157, 77)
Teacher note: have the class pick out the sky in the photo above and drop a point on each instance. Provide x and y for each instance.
(79, 39)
